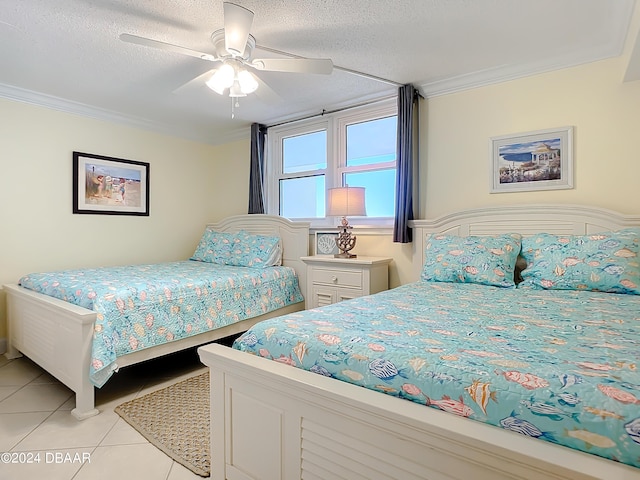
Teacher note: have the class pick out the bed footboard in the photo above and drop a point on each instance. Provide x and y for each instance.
(273, 421)
(57, 336)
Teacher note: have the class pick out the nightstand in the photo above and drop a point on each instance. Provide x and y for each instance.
(330, 279)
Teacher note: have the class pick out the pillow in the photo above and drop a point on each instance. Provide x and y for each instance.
(606, 262)
(257, 250)
(238, 249)
(488, 260)
(215, 247)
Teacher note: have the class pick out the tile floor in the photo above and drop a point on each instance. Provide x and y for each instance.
(35, 419)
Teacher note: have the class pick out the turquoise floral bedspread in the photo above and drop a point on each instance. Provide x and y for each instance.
(140, 306)
(561, 366)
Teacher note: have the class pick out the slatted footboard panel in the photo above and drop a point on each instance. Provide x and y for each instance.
(338, 453)
(340, 448)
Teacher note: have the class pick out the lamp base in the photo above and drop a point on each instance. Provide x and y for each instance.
(345, 240)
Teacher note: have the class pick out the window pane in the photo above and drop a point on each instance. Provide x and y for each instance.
(380, 190)
(304, 152)
(302, 197)
(372, 142)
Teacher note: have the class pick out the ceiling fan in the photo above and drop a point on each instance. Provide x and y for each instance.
(234, 47)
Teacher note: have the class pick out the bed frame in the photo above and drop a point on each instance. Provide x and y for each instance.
(271, 421)
(57, 335)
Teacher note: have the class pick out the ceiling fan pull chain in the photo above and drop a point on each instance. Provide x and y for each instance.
(235, 103)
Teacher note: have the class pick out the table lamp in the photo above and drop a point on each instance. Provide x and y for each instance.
(341, 202)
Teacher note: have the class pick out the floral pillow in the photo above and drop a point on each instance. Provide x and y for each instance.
(240, 249)
(488, 260)
(256, 250)
(606, 262)
(215, 247)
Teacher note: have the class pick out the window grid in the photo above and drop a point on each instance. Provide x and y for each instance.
(335, 126)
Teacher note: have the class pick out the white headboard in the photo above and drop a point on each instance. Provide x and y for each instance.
(523, 219)
(294, 235)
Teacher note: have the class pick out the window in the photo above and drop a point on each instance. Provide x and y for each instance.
(370, 148)
(303, 163)
(355, 147)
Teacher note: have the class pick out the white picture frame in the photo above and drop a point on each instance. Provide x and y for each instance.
(529, 161)
(326, 243)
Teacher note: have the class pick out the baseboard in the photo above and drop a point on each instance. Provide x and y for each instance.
(3, 346)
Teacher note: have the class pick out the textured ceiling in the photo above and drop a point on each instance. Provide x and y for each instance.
(66, 54)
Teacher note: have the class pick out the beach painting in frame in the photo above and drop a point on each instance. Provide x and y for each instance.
(539, 160)
(109, 186)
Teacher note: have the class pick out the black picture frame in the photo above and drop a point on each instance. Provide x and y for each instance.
(109, 186)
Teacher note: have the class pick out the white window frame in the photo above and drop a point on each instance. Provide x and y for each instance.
(335, 125)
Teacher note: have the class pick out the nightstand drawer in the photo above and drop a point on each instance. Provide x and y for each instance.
(331, 279)
(343, 278)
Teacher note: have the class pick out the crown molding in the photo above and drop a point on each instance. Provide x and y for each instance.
(18, 94)
(507, 72)
(503, 73)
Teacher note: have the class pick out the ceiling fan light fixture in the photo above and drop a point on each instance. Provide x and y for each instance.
(222, 79)
(248, 82)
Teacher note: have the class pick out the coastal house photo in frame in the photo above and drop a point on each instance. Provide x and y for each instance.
(538, 160)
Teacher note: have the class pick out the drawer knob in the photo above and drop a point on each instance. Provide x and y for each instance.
(334, 279)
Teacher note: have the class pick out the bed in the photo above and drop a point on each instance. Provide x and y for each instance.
(270, 420)
(70, 340)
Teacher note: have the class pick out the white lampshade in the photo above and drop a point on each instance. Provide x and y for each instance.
(346, 201)
(222, 79)
(248, 82)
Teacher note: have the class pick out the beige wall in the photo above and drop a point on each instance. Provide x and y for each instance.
(592, 98)
(38, 231)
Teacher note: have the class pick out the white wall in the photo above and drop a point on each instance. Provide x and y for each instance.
(191, 184)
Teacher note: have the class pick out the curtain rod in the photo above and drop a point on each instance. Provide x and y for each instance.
(328, 112)
(368, 75)
(336, 67)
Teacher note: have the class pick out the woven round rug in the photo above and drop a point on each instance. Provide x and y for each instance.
(176, 420)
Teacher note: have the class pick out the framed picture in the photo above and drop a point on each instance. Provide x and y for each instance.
(109, 186)
(540, 160)
(326, 243)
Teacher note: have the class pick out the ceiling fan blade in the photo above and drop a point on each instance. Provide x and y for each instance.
(266, 94)
(296, 65)
(237, 26)
(195, 83)
(169, 47)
